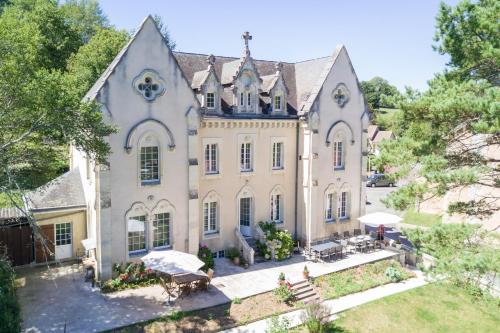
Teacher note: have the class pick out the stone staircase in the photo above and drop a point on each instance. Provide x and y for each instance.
(304, 292)
(253, 244)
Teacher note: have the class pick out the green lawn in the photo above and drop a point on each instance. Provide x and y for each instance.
(421, 219)
(433, 308)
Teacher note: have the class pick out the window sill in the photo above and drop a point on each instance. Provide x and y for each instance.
(339, 168)
(211, 235)
(137, 253)
(247, 172)
(212, 175)
(345, 219)
(277, 170)
(150, 183)
(330, 221)
(166, 247)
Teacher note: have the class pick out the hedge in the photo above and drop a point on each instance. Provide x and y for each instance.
(10, 312)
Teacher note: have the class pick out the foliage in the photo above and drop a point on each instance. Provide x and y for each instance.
(464, 253)
(130, 275)
(237, 300)
(354, 280)
(306, 270)
(277, 325)
(281, 277)
(205, 255)
(284, 293)
(393, 274)
(164, 31)
(470, 35)
(233, 253)
(85, 16)
(40, 98)
(435, 307)
(10, 312)
(280, 240)
(378, 93)
(446, 132)
(315, 317)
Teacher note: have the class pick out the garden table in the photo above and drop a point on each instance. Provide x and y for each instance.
(185, 282)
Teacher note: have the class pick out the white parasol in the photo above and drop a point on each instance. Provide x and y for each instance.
(380, 218)
(172, 262)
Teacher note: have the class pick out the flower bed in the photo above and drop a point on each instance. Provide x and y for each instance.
(361, 278)
(205, 255)
(130, 275)
(276, 239)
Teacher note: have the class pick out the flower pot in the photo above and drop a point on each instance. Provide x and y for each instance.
(236, 261)
(305, 275)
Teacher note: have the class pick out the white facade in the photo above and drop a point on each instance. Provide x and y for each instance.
(204, 149)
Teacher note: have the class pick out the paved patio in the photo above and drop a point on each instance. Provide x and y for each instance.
(57, 297)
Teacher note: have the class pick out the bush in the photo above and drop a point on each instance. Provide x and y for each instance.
(130, 275)
(280, 240)
(315, 317)
(10, 313)
(205, 255)
(233, 253)
(393, 274)
(277, 325)
(284, 293)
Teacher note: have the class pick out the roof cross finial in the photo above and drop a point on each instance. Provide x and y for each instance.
(211, 60)
(246, 36)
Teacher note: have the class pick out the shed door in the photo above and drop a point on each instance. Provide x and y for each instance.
(41, 254)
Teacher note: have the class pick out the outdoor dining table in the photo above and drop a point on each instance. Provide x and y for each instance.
(360, 239)
(324, 246)
(185, 281)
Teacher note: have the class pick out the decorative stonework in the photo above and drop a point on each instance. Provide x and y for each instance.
(341, 95)
(149, 85)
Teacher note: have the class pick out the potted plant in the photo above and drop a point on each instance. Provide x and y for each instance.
(234, 255)
(281, 278)
(398, 244)
(305, 273)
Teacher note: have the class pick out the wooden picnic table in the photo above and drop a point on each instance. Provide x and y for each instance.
(186, 282)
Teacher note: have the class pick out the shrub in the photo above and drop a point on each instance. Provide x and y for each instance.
(280, 240)
(233, 253)
(205, 255)
(130, 275)
(393, 274)
(10, 313)
(315, 317)
(277, 325)
(237, 300)
(284, 293)
(281, 277)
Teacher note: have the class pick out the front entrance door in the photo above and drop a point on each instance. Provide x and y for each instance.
(64, 237)
(246, 216)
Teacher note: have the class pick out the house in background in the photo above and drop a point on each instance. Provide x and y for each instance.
(206, 148)
(376, 136)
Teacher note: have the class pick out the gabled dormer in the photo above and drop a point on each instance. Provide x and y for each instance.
(245, 82)
(208, 88)
(275, 88)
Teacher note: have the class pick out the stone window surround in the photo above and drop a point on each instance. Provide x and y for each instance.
(140, 209)
(154, 141)
(283, 140)
(219, 143)
(211, 196)
(247, 138)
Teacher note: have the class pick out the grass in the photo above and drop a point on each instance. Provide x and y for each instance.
(354, 280)
(437, 307)
(421, 219)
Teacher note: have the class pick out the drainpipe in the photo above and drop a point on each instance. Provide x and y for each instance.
(296, 175)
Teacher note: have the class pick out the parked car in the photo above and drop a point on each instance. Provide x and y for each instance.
(379, 179)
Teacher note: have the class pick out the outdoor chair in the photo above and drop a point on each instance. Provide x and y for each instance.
(336, 236)
(362, 246)
(357, 232)
(347, 234)
(167, 288)
(370, 245)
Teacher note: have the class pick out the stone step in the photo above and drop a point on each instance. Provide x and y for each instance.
(300, 283)
(304, 291)
(301, 289)
(314, 298)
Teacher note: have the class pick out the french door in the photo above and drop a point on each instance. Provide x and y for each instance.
(246, 216)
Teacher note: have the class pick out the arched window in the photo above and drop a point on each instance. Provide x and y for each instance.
(330, 206)
(162, 223)
(136, 219)
(339, 148)
(276, 205)
(149, 160)
(343, 205)
(211, 213)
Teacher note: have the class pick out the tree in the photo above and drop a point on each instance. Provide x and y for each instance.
(447, 130)
(164, 31)
(464, 254)
(469, 33)
(84, 16)
(378, 93)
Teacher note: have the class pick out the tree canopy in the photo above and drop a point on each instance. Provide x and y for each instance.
(446, 131)
(379, 93)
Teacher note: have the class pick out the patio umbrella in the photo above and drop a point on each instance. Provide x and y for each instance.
(380, 218)
(172, 262)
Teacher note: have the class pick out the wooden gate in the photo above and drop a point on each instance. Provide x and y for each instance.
(41, 254)
(19, 243)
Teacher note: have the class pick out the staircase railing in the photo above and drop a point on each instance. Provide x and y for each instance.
(248, 252)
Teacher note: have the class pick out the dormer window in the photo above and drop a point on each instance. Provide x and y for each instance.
(210, 100)
(277, 103)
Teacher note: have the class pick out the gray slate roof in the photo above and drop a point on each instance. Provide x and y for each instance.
(66, 191)
(10, 213)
